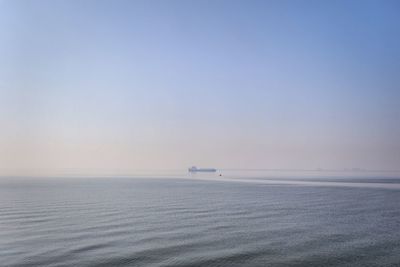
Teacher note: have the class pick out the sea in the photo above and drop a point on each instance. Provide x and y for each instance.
(228, 218)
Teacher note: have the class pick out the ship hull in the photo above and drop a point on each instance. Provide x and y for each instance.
(203, 170)
(194, 169)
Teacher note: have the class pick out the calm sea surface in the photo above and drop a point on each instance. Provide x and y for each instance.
(200, 221)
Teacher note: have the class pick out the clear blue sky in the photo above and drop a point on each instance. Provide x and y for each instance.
(105, 85)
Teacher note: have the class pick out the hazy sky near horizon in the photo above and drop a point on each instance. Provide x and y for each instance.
(104, 85)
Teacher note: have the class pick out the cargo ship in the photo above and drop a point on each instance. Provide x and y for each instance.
(195, 169)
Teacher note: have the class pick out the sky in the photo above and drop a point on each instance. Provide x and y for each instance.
(128, 85)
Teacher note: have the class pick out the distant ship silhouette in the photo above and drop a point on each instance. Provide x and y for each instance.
(195, 169)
